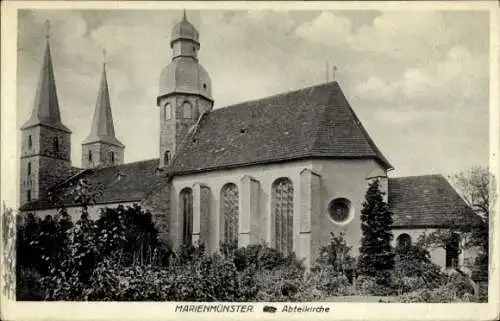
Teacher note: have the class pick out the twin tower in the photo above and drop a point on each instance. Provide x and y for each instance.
(184, 96)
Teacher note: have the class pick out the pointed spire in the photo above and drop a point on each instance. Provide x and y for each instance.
(184, 15)
(46, 108)
(103, 129)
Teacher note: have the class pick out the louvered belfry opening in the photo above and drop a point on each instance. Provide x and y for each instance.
(186, 202)
(283, 215)
(230, 212)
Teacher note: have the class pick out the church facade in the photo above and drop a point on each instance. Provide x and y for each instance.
(287, 170)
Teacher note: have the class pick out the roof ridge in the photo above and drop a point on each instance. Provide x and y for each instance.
(284, 93)
(415, 176)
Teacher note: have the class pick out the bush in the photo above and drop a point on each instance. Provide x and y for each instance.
(331, 283)
(457, 289)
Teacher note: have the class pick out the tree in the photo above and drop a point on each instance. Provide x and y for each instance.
(376, 257)
(477, 188)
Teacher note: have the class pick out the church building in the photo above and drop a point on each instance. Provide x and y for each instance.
(287, 170)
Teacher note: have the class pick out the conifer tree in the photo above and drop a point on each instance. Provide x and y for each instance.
(376, 257)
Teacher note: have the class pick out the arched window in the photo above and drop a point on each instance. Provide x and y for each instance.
(29, 168)
(166, 157)
(90, 155)
(230, 212)
(187, 110)
(112, 157)
(55, 143)
(30, 141)
(167, 111)
(403, 241)
(28, 195)
(282, 193)
(452, 249)
(186, 209)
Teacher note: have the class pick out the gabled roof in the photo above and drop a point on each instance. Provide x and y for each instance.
(103, 129)
(312, 122)
(121, 183)
(46, 107)
(427, 201)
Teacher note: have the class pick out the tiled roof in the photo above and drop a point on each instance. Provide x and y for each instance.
(312, 122)
(121, 183)
(427, 201)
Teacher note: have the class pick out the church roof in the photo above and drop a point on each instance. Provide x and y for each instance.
(103, 129)
(122, 183)
(312, 122)
(427, 201)
(46, 107)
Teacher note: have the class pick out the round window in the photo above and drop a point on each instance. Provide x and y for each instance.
(339, 209)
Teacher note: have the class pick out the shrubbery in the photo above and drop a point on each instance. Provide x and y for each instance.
(118, 257)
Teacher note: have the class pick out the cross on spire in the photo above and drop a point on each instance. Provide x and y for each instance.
(104, 56)
(47, 28)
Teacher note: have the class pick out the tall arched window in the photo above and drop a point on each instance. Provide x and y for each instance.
(30, 141)
(90, 155)
(112, 157)
(230, 212)
(282, 193)
(29, 168)
(187, 110)
(186, 209)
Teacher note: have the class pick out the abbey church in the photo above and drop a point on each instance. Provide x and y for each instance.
(288, 169)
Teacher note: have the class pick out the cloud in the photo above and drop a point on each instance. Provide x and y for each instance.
(410, 76)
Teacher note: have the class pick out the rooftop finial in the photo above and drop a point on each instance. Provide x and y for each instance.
(184, 15)
(47, 28)
(104, 56)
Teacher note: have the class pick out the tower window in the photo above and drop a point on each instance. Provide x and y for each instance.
(112, 157)
(30, 142)
(55, 143)
(29, 168)
(166, 157)
(187, 110)
(90, 156)
(167, 112)
(28, 195)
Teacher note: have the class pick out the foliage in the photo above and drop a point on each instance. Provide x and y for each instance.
(376, 257)
(336, 255)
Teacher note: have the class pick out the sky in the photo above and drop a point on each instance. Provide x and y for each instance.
(418, 80)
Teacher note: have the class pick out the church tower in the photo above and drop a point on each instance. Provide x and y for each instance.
(101, 148)
(185, 90)
(46, 142)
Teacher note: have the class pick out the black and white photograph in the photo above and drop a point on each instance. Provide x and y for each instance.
(234, 158)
